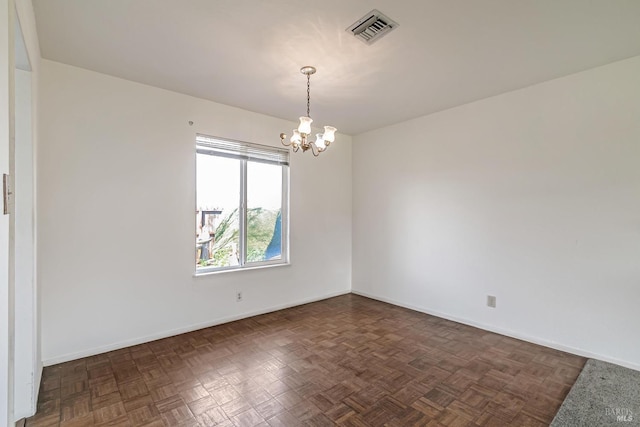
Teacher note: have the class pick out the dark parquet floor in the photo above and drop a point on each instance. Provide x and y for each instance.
(348, 361)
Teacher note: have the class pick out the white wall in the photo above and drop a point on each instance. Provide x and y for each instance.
(532, 196)
(116, 203)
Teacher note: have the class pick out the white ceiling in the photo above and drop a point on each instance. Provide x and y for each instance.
(247, 53)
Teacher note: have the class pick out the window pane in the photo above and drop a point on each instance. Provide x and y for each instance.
(264, 216)
(217, 221)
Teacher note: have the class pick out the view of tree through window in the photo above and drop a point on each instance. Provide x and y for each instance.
(240, 200)
(264, 220)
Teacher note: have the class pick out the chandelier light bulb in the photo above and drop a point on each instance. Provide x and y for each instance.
(305, 125)
(295, 138)
(329, 133)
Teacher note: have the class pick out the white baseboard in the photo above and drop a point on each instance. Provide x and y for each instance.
(506, 332)
(486, 327)
(141, 340)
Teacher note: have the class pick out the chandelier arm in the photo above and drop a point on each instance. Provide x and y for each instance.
(283, 138)
(314, 149)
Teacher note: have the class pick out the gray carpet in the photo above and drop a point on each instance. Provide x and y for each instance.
(603, 395)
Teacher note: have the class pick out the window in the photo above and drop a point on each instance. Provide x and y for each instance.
(242, 196)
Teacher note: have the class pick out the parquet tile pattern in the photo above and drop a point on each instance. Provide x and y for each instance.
(348, 361)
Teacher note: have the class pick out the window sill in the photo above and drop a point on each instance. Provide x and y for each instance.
(234, 270)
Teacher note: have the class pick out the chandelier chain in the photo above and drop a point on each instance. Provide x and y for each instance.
(308, 93)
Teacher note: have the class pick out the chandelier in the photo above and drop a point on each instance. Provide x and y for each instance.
(300, 138)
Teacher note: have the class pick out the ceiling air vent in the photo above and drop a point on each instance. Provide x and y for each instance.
(372, 26)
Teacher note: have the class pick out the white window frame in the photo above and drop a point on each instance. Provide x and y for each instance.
(248, 152)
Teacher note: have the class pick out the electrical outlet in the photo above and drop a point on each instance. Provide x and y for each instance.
(238, 296)
(491, 301)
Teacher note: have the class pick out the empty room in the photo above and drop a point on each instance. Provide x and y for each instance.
(294, 213)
